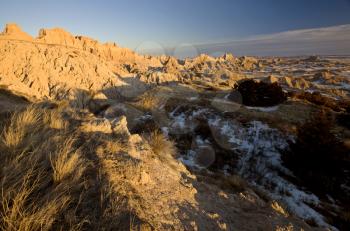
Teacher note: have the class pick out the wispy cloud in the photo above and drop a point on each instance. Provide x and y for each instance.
(333, 40)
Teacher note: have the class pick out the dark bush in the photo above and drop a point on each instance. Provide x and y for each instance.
(260, 94)
(344, 120)
(320, 163)
(317, 157)
(318, 99)
(145, 125)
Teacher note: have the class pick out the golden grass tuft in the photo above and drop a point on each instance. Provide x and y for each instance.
(114, 146)
(23, 206)
(278, 208)
(54, 119)
(82, 99)
(163, 148)
(22, 127)
(47, 182)
(66, 161)
(147, 102)
(160, 145)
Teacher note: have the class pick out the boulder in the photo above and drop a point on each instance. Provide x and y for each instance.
(120, 109)
(120, 126)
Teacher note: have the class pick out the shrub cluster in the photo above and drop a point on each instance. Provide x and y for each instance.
(317, 155)
(343, 119)
(318, 99)
(320, 161)
(260, 94)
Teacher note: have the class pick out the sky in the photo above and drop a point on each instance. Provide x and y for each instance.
(141, 24)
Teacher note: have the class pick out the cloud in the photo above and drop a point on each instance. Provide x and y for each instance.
(333, 40)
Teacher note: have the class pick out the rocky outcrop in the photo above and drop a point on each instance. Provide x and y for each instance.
(56, 36)
(42, 71)
(247, 63)
(13, 31)
(54, 64)
(107, 51)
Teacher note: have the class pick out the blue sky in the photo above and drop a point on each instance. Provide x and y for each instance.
(172, 22)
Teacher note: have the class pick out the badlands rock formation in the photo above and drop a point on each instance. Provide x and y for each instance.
(12, 31)
(56, 63)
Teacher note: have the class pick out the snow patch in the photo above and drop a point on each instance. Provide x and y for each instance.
(190, 159)
(264, 109)
(260, 163)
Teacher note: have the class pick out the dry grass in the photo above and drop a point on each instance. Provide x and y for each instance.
(232, 183)
(160, 145)
(66, 162)
(163, 148)
(22, 127)
(82, 99)
(48, 182)
(55, 120)
(114, 146)
(147, 102)
(279, 208)
(28, 199)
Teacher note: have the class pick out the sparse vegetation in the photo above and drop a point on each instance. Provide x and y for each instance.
(260, 94)
(82, 99)
(344, 120)
(46, 182)
(147, 102)
(279, 208)
(160, 145)
(317, 155)
(66, 162)
(320, 161)
(318, 99)
(234, 182)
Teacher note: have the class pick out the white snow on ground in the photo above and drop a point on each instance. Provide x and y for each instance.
(190, 159)
(263, 109)
(178, 121)
(183, 120)
(144, 117)
(260, 163)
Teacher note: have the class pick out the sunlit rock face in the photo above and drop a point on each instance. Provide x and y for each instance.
(13, 31)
